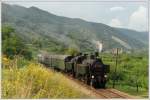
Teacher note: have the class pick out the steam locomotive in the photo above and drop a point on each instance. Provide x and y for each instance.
(87, 68)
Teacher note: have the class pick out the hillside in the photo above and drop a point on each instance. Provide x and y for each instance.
(36, 25)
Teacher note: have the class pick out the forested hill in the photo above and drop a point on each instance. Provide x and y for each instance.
(49, 30)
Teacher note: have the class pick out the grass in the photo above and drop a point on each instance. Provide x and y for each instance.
(142, 93)
(132, 90)
(35, 81)
(131, 68)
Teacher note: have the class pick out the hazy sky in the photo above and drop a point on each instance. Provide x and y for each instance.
(132, 15)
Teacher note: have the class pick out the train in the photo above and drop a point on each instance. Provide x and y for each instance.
(88, 68)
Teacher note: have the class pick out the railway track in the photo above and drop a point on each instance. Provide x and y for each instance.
(101, 93)
(110, 94)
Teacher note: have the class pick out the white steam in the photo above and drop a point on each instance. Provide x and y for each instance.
(99, 45)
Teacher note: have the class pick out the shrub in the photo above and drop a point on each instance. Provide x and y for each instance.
(36, 81)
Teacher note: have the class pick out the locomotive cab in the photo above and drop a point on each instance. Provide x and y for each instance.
(68, 64)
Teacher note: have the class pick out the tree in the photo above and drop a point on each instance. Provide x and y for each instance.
(137, 74)
(12, 44)
(6, 32)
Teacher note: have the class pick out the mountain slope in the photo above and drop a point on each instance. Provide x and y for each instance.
(35, 24)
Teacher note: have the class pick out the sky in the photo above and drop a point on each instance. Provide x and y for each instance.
(132, 14)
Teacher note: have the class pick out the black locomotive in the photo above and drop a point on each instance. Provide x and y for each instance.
(87, 68)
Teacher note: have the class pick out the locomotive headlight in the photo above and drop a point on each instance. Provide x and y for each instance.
(92, 76)
(105, 76)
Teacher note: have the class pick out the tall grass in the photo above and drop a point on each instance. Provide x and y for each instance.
(35, 81)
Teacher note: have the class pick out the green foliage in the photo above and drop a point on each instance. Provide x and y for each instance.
(12, 44)
(6, 32)
(132, 71)
(22, 62)
(37, 43)
(72, 51)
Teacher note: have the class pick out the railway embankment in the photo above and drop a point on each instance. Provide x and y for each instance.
(33, 80)
(101, 93)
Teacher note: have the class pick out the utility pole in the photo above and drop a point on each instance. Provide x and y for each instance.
(115, 67)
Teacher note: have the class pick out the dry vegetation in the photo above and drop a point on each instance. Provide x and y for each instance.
(35, 81)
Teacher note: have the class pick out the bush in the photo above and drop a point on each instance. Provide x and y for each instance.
(35, 81)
